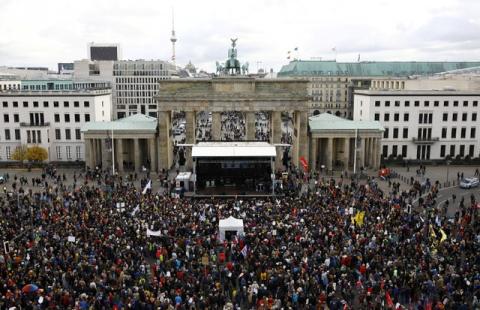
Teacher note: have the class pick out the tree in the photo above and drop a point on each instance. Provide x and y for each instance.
(37, 153)
(20, 153)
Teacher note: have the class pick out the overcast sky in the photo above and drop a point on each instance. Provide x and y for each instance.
(42, 33)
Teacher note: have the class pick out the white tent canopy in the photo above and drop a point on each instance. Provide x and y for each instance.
(230, 224)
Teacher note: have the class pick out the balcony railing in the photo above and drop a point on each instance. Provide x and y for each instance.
(44, 124)
(425, 140)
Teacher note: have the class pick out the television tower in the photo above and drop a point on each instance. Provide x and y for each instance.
(173, 38)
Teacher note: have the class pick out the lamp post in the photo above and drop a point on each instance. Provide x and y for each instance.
(448, 170)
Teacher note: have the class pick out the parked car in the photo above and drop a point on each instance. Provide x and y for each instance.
(469, 183)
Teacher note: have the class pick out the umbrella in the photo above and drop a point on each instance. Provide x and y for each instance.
(30, 288)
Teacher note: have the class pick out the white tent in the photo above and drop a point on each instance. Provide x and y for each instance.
(230, 224)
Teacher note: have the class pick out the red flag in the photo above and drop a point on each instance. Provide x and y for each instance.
(304, 163)
(389, 300)
(428, 306)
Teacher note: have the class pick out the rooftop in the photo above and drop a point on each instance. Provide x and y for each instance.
(233, 149)
(430, 92)
(370, 68)
(326, 121)
(138, 122)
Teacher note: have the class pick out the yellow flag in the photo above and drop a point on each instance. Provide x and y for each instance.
(359, 217)
(444, 235)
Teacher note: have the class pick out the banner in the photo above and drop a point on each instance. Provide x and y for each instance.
(304, 163)
(153, 233)
(147, 187)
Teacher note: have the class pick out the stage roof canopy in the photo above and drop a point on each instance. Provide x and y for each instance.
(233, 149)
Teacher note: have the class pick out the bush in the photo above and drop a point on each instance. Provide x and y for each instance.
(20, 153)
(36, 154)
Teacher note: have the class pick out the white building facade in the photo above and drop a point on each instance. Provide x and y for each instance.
(50, 119)
(134, 82)
(423, 124)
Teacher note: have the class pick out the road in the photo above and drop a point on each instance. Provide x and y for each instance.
(446, 194)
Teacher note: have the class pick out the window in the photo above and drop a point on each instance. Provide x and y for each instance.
(385, 133)
(471, 150)
(426, 103)
(67, 134)
(39, 136)
(463, 133)
(445, 103)
(445, 117)
(474, 117)
(67, 118)
(15, 104)
(452, 150)
(387, 103)
(407, 103)
(69, 152)
(462, 150)
(76, 104)
(78, 135)
(57, 118)
(394, 150)
(455, 103)
(385, 151)
(473, 132)
(35, 104)
(55, 104)
(442, 151)
(464, 117)
(86, 104)
(377, 116)
(17, 134)
(45, 104)
(397, 103)
(87, 117)
(420, 118)
(16, 118)
(405, 133)
(7, 151)
(29, 140)
(395, 133)
(25, 104)
(454, 117)
(7, 134)
(405, 117)
(59, 152)
(396, 117)
(404, 151)
(417, 103)
(454, 133)
(386, 117)
(5, 104)
(77, 118)
(475, 103)
(436, 103)
(465, 103)
(6, 118)
(66, 104)
(78, 152)
(430, 118)
(58, 134)
(444, 133)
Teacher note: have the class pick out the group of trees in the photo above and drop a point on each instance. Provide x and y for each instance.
(32, 154)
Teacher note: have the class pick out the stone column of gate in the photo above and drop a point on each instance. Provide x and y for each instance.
(136, 154)
(250, 126)
(164, 144)
(329, 154)
(88, 153)
(98, 149)
(276, 132)
(303, 135)
(378, 152)
(119, 155)
(152, 157)
(346, 152)
(362, 153)
(106, 155)
(216, 126)
(94, 153)
(190, 137)
(313, 153)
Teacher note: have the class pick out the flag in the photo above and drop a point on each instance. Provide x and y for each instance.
(389, 300)
(137, 208)
(358, 58)
(444, 235)
(153, 233)
(334, 49)
(304, 163)
(244, 251)
(147, 187)
(359, 217)
(295, 49)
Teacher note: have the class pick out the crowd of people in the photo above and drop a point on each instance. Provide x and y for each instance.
(107, 243)
(233, 126)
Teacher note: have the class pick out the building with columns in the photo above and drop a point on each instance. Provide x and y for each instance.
(332, 143)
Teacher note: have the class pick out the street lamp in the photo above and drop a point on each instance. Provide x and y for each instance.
(448, 170)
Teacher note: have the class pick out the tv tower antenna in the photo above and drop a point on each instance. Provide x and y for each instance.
(173, 38)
